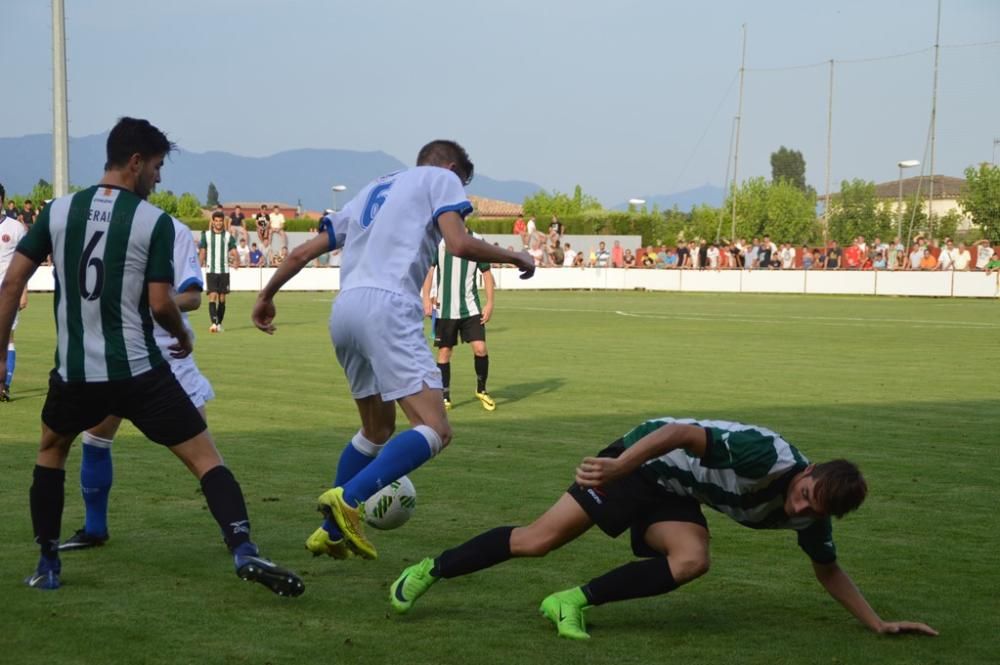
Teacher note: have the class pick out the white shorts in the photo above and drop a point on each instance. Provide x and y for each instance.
(379, 340)
(197, 387)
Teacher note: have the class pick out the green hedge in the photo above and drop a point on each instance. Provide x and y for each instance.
(655, 229)
(297, 224)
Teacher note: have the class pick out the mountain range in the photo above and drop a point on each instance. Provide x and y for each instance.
(290, 177)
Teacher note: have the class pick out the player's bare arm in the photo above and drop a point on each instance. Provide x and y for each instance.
(190, 300)
(459, 243)
(489, 285)
(263, 310)
(425, 292)
(12, 292)
(24, 299)
(839, 585)
(596, 471)
(168, 315)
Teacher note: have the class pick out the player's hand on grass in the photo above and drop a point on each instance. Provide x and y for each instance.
(525, 263)
(263, 315)
(903, 627)
(182, 348)
(597, 471)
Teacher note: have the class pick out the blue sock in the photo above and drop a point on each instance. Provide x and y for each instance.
(402, 454)
(11, 361)
(95, 482)
(357, 454)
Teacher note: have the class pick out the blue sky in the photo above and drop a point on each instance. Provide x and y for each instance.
(626, 98)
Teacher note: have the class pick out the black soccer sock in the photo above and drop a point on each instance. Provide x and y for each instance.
(482, 372)
(222, 311)
(445, 378)
(639, 579)
(47, 496)
(485, 550)
(211, 312)
(225, 501)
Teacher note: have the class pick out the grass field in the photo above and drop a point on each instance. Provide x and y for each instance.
(905, 387)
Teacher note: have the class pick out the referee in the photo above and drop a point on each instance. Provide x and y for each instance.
(217, 250)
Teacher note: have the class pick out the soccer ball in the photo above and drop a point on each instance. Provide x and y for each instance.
(391, 506)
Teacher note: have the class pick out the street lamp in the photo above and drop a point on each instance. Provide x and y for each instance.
(905, 164)
(335, 189)
(635, 203)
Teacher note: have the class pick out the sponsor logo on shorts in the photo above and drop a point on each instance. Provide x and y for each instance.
(596, 496)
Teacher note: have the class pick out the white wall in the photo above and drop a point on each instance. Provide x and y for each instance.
(887, 283)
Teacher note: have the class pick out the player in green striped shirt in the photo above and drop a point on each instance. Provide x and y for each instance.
(217, 251)
(112, 255)
(653, 482)
(459, 312)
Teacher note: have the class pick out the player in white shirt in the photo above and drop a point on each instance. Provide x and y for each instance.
(11, 232)
(390, 232)
(96, 469)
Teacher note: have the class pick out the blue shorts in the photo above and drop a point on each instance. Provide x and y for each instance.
(379, 340)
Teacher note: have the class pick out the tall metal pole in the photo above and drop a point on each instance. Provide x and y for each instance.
(60, 124)
(739, 122)
(722, 209)
(899, 208)
(829, 153)
(996, 142)
(937, 55)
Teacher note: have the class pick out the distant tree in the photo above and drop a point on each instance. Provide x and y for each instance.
(212, 199)
(41, 192)
(188, 206)
(545, 204)
(788, 165)
(857, 211)
(778, 209)
(980, 199)
(165, 201)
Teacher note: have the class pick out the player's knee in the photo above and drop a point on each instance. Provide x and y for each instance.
(437, 437)
(378, 434)
(529, 541)
(687, 567)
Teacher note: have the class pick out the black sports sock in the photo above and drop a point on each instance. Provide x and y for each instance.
(648, 577)
(485, 550)
(225, 501)
(47, 496)
(482, 372)
(212, 307)
(222, 311)
(445, 378)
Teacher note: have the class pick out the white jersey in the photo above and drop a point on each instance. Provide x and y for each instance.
(389, 230)
(11, 232)
(187, 271)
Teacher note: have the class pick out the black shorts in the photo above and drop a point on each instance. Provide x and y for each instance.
(154, 401)
(217, 282)
(446, 331)
(634, 502)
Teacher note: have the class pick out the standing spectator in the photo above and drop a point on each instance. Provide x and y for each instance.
(256, 256)
(693, 257)
(278, 259)
(751, 252)
(853, 255)
(278, 227)
(765, 254)
(617, 257)
(237, 224)
(555, 228)
(28, 212)
(787, 256)
(650, 258)
(217, 251)
(683, 256)
(521, 230)
(579, 261)
(984, 253)
(713, 255)
(263, 218)
(895, 255)
(556, 255)
(879, 262)
(963, 259)
(536, 252)
(833, 257)
(628, 259)
(569, 256)
(808, 261)
(915, 256)
(993, 265)
(603, 257)
(243, 253)
(11, 210)
(702, 255)
(928, 262)
(946, 259)
(737, 251)
(531, 229)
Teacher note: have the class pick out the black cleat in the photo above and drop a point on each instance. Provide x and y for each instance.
(82, 540)
(4, 393)
(263, 571)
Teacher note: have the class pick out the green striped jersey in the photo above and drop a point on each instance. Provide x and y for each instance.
(217, 247)
(107, 245)
(457, 295)
(744, 474)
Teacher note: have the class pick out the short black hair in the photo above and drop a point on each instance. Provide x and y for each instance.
(3, 192)
(132, 135)
(840, 487)
(443, 152)
(218, 214)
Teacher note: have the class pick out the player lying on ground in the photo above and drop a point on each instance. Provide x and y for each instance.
(653, 482)
(389, 232)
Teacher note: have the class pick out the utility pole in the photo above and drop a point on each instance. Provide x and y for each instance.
(739, 122)
(829, 153)
(60, 124)
(937, 57)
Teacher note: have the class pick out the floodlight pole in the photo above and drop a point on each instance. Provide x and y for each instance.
(60, 124)
(829, 154)
(937, 57)
(739, 122)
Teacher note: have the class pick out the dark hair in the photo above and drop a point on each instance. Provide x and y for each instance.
(131, 136)
(3, 192)
(218, 214)
(442, 153)
(840, 487)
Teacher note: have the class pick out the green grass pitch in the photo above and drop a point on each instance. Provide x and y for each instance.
(905, 387)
